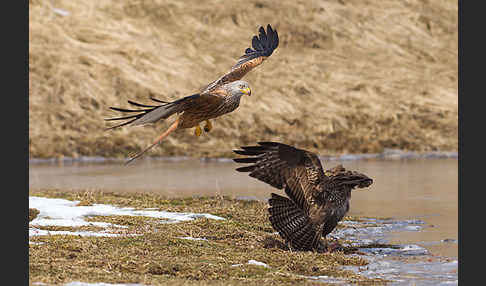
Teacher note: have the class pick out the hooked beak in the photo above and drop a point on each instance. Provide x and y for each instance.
(246, 91)
(366, 183)
(360, 183)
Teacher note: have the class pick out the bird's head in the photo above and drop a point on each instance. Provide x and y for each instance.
(360, 180)
(352, 179)
(357, 180)
(239, 87)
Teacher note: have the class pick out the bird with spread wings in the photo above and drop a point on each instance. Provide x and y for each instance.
(317, 200)
(219, 97)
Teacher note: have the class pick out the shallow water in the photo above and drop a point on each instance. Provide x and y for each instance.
(411, 189)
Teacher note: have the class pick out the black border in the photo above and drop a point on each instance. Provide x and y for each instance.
(15, 143)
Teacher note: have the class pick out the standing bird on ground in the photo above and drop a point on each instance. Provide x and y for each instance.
(219, 97)
(317, 200)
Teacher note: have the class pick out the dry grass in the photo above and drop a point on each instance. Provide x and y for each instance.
(349, 76)
(33, 213)
(159, 257)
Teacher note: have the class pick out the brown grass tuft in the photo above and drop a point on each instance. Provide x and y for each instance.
(33, 213)
(349, 76)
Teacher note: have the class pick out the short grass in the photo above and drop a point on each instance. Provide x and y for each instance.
(157, 256)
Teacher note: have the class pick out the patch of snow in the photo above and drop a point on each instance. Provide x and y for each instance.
(400, 272)
(72, 222)
(193, 238)
(410, 249)
(359, 231)
(403, 273)
(61, 212)
(61, 12)
(412, 228)
(254, 262)
(36, 243)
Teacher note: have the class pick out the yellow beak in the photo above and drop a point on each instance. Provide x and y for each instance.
(246, 91)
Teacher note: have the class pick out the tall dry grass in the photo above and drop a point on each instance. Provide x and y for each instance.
(349, 76)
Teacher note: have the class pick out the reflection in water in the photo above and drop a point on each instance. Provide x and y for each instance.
(402, 189)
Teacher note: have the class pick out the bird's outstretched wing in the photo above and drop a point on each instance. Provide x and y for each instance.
(282, 166)
(154, 113)
(263, 46)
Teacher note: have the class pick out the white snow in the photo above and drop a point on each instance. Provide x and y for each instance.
(408, 247)
(61, 12)
(254, 262)
(35, 243)
(61, 212)
(193, 238)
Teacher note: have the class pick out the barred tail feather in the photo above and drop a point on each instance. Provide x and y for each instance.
(292, 223)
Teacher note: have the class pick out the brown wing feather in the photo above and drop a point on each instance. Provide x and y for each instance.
(281, 165)
(153, 114)
(263, 46)
(205, 101)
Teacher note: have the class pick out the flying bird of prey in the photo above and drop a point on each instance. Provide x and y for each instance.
(219, 97)
(316, 201)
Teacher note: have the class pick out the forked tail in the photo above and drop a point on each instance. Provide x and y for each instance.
(293, 224)
(172, 128)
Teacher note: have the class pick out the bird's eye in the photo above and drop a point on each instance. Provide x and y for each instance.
(242, 86)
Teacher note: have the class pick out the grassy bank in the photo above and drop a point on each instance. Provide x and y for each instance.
(158, 256)
(348, 77)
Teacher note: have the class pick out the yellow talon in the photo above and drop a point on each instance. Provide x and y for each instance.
(208, 127)
(198, 131)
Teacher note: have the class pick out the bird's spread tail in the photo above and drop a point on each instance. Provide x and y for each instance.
(293, 224)
(172, 128)
(150, 113)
